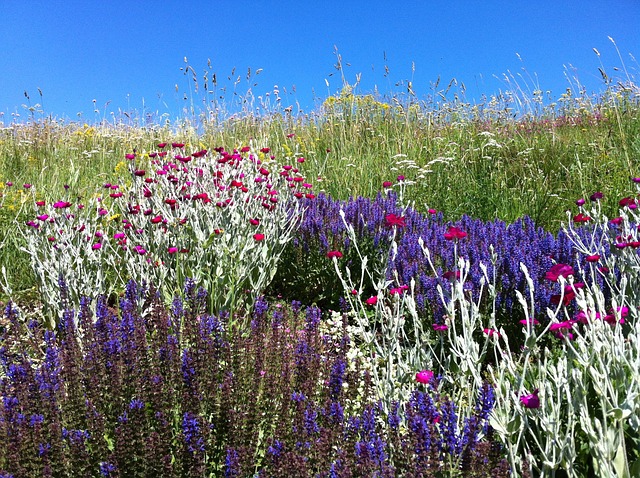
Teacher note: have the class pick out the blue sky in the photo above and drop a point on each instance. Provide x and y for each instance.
(127, 55)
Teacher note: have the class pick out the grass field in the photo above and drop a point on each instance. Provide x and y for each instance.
(434, 352)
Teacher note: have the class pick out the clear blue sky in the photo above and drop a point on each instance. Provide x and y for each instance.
(126, 54)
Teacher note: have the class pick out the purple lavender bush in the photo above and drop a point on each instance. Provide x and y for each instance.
(145, 390)
(322, 230)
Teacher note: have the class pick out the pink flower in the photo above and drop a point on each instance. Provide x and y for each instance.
(454, 233)
(531, 401)
(26, 186)
(332, 254)
(596, 196)
(177, 145)
(162, 145)
(139, 172)
(254, 222)
(399, 290)
(432, 211)
(491, 333)
(559, 270)
(401, 178)
(387, 184)
(42, 217)
(394, 220)
(579, 218)
(172, 250)
(140, 250)
(119, 235)
(130, 156)
(372, 300)
(530, 320)
(40, 203)
(96, 246)
(258, 237)
(424, 376)
(592, 258)
(580, 202)
(439, 327)
(61, 204)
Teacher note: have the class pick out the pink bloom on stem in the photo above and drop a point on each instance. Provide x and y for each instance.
(491, 332)
(139, 172)
(254, 222)
(440, 327)
(9, 184)
(394, 220)
(387, 184)
(42, 217)
(580, 218)
(177, 145)
(258, 237)
(162, 145)
(119, 235)
(332, 254)
(432, 211)
(172, 250)
(424, 376)
(530, 320)
(617, 221)
(557, 271)
(399, 290)
(596, 196)
(130, 156)
(401, 178)
(26, 186)
(372, 300)
(454, 233)
(96, 246)
(592, 258)
(140, 250)
(40, 203)
(531, 400)
(580, 202)
(61, 204)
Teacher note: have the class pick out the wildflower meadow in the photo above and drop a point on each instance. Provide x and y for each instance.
(384, 287)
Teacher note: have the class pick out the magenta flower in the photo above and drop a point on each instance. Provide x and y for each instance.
(491, 333)
(439, 327)
(119, 235)
(139, 172)
(531, 401)
(61, 204)
(8, 184)
(579, 218)
(372, 300)
(580, 202)
(162, 145)
(96, 246)
(254, 222)
(130, 156)
(596, 196)
(26, 186)
(140, 250)
(40, 203)
(387, 184)
(42, 217)
(177, 145)
(394, 220)
(592, 258)
(258, 237)
(332, 254)
(399, 290)
(424, 376)
(172, 250)
(432, 211)
(401, 178)
(557, 271)
(530, 320)
(454, 233)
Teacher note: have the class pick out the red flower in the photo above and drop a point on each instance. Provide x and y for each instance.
(592, 258)
(387, 184)
(394, 220)
(177, 145)
(581, 218)
(258, 237)
(130, 156)
(254, 222)
(332, 254)
(454, 233)
(162, 145)
(372, 300)
(140, 172)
